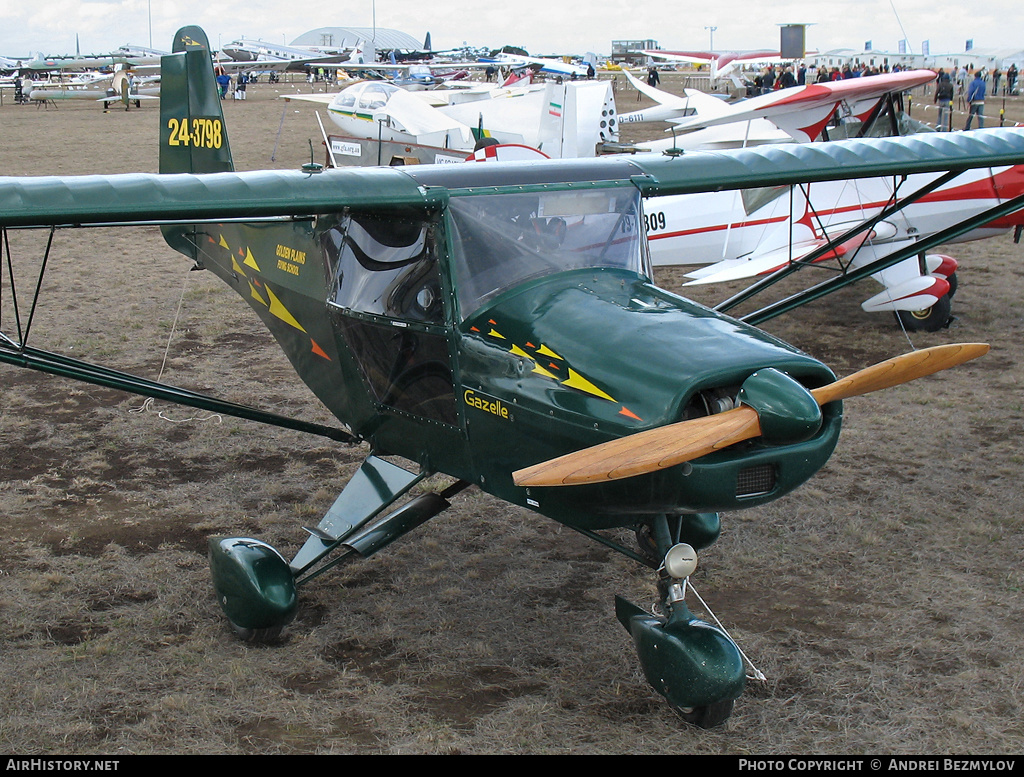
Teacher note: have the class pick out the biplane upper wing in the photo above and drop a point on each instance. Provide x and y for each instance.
(802, 111)
(135, 198)
(672, 106)
(722, 58)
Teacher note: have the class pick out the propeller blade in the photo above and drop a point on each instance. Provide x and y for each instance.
(666, 446)
(899, 369)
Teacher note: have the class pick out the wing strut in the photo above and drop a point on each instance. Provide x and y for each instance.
(20, 354)
(56, 364)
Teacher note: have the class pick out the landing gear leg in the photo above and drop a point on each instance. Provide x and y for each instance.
(256, 587)
(693, 664)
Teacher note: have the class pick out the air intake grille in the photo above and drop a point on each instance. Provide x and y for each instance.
(756, 480)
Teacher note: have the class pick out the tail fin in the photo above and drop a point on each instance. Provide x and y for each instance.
(193, 136)
(356, 55)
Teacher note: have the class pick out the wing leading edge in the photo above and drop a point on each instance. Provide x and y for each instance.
(261, 194)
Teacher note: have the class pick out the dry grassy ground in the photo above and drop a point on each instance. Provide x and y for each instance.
(882, 600)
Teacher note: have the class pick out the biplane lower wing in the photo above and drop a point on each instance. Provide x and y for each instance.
(887, 223)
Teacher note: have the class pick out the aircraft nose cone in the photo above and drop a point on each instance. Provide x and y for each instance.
(787, 412)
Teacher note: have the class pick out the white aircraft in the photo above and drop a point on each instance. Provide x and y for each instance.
(107, 88)
(755, 233)
(543, 64)
(720, 63)
(252, 53)
(10, 65)
(568, 119)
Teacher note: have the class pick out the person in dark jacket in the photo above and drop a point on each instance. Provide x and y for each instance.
(944, 99)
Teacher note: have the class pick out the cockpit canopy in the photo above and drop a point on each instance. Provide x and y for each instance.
(502, 240)
(388, 264)
(365, 97)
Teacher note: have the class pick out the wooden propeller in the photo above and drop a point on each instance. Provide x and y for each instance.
(666, 446)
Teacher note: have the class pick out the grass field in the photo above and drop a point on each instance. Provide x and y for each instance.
(883, 601)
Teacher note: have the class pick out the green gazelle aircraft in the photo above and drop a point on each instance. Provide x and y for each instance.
(497, 323)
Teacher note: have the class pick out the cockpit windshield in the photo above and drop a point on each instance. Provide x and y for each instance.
(364, 97)
(501, 240)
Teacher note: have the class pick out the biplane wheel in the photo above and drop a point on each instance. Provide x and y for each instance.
(708, 716)
(932, 319)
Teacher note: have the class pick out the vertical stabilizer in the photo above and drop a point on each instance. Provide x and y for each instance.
(558, 121)
(193, 136)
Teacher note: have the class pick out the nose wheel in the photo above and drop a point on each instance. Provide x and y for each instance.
(708, 716)
(695, 665)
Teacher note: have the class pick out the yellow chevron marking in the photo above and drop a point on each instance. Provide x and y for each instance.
(536, 367)
(256, 295)
(251, 261)
(577, 381)
(279, 310)
(545, 351)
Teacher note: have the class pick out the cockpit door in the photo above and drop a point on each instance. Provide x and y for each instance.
(388, 307)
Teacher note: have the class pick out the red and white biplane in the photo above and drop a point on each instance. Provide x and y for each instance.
(880, 227)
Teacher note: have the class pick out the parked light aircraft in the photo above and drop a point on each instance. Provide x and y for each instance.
(408, 75)
(109, 88)
(720, 63)
(743, 235)
(381, 122)
(498, 323)
(10, 65)
(275, 56)
(556, 67)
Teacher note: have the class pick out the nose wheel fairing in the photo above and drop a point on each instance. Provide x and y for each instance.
(693, 664)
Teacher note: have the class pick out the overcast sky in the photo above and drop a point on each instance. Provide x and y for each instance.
(540, 26)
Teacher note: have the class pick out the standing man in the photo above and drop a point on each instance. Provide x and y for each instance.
(944, 99)
(976, 100)
(223, 82)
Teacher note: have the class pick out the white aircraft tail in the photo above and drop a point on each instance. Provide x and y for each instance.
(576, 118)
(557, 133)
(358, 54)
